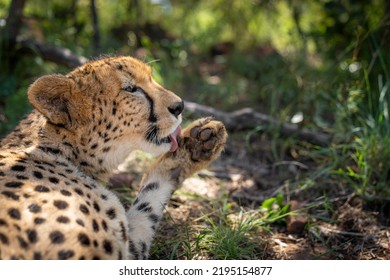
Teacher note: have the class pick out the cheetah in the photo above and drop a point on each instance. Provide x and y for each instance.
(55, 165)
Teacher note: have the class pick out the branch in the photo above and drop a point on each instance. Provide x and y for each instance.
(57, 55)
(247, 118)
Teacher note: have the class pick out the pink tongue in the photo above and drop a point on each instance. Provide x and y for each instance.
(173, 138)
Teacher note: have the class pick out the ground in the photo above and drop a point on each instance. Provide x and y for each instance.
(247, 205)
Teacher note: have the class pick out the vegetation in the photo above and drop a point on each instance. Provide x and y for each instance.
(323, 65)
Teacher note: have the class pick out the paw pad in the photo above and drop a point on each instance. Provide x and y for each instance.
(205, 140)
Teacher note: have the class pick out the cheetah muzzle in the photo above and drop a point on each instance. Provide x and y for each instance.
(55, 164)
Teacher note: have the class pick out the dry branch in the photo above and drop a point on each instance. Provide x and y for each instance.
(54, 54)
(247, 118)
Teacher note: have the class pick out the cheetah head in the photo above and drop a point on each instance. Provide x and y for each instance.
(111, 104)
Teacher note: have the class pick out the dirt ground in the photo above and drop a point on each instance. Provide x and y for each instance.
(338, 225)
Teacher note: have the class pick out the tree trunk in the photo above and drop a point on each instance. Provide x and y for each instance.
(9, 38)
(14, 21)
(96, 33)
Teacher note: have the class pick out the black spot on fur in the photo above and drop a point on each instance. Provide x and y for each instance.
(96, 206)
(150, 187)
(111, 213)
(143, 248)
(3, 238)
(133, 250)
(84, 239)
(154, 218)
(11, 195)
(37, 256)
(65, 254)
(84, 209)
(94, 146)
(95, 226)
(37, 174)
(79, 192)
(14, 213)
(107, 246)
(80, 222)
(34, 208)
(13, 184)
(19, 168)
(60, 204)
(144, 207)
(104, 225)
(39, 221)
(22, 243)
(123, 231)
(49, 150)
(54, 180)
(3, 223)
(66, 193)
(32, 235)
(40, 188)
(56, 237)
(63, 220)
(88, 186)
(21, 177)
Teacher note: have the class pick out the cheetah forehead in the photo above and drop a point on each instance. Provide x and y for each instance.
(123, 66)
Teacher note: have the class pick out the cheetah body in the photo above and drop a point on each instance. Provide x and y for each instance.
(54, 166)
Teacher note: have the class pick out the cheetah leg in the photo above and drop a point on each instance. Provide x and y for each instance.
(199, 144)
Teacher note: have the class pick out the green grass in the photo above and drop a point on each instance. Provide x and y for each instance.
(226, 232)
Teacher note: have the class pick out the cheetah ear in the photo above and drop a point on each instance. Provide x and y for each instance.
(50, 95)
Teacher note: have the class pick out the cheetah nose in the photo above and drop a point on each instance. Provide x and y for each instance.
(176, 108)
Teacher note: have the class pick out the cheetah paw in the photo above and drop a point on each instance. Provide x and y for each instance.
(198, 145)
(204, 140)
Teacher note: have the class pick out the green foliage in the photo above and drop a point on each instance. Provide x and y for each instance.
(274, 209)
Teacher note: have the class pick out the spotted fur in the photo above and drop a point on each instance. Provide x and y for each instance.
(55, 163)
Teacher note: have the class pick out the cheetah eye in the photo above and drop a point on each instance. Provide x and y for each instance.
(131, 89)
